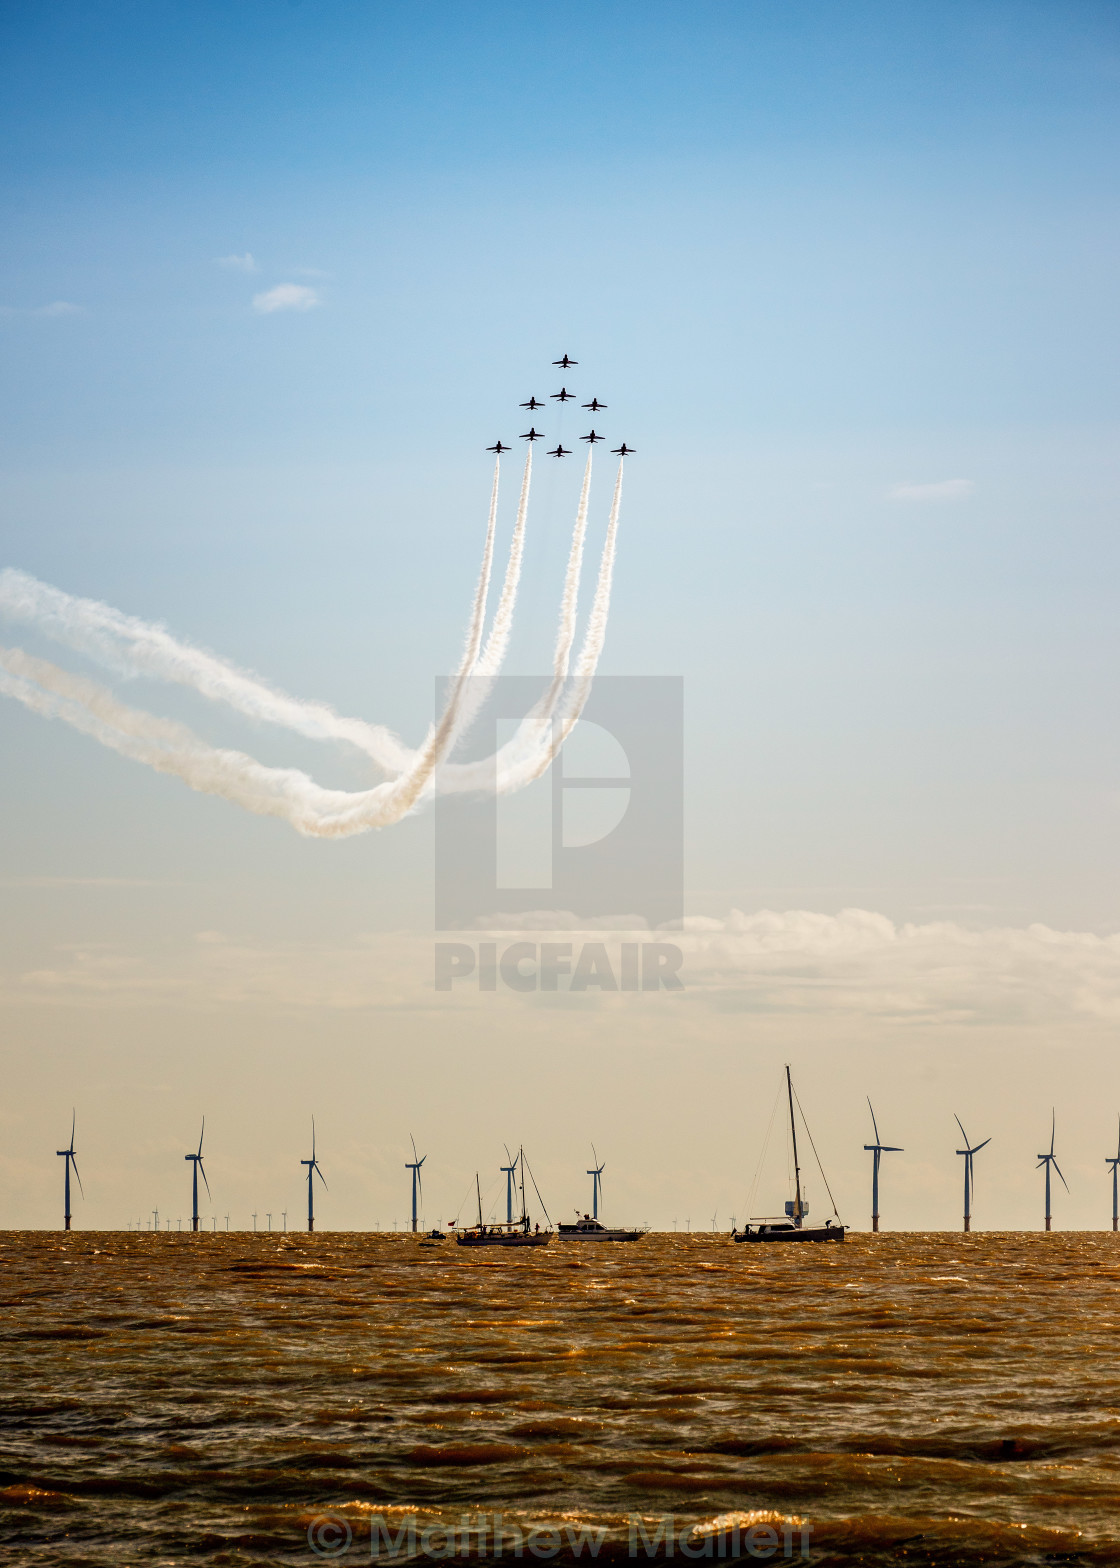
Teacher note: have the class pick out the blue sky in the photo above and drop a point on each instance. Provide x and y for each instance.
(817, 257)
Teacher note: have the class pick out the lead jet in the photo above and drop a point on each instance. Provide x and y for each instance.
(593, 438)
(563, 396)
(499, 448)
(560, 451)
(533, 435)
(623, 450)
(532, 403)
(565, 363)
(594, 405)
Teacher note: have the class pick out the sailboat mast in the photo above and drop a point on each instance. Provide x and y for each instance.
(796, 1166)
(524, 1216)
(478, 1189)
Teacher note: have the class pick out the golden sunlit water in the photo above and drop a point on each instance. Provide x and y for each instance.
(170, 1398)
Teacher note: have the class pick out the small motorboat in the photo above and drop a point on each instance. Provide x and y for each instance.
(588, 1229)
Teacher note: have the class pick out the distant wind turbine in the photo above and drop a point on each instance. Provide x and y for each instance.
(71, 1159)
(198, 1166)
(877, 1150)
(1114, 1163)
(508, 1171)
(596, 1174)
(312, 1169)
(414, 1165)
(1047, 1160)
(969, 1182)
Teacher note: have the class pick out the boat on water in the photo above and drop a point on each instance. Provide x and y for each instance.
(791, 1226)
(510, 1232)
(588, 1229)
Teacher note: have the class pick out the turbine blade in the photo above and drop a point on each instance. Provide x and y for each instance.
(960, 1124)
(1058, 1168)
(874, 1123)
(73, 1125)
(201, 1135)
(1053, 1129)
(321, 1177)
(81, 1189)
(412, 1140)
(313, 1137)
(202, 1170)
(980, 1146)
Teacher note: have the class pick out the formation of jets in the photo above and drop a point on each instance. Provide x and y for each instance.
(562, 397)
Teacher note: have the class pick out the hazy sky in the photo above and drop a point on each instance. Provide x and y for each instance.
(274, 275)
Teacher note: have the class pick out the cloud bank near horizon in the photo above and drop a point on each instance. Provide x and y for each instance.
(793, 963)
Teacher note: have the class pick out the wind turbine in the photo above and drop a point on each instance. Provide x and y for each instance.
(71, 1159)
(968, 1153)
(596, 1174)
(312, 1167)
(1048, 1160)
(877, 1151)
(507, 1171)
(198, 1166)
(414, 1165)
(1114, 1163)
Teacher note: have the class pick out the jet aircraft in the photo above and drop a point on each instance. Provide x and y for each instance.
(532, 403)
(594, 405)
(593, 438)
(499, 448)
(533, 435)
(560, 451)
(623, 450)
(563, 396)
(565, 363)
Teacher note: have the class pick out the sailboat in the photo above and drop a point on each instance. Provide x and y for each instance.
(504, 1233)
(791, 1226)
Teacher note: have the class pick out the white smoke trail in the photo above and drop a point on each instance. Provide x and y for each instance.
(526, 742)
(130, 647)
(541, 734)
(587, 663)
(170, 747)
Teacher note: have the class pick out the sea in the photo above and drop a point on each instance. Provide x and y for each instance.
(252, 1399)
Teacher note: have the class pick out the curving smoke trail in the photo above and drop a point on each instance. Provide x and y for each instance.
(533, 734)
(133, 647)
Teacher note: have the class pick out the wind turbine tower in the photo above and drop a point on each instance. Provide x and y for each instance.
(1047, 1160)
(70, 1158)
(969, 1181)
(414, 1165)
(596, 1174)
(198, 1166)
(508, 1171)
(312, 1170)
(1114, 1163)
(877, 1151)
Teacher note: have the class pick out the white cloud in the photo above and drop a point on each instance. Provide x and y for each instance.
(942, 490)
(244, 263)
(792, 964)
(286, 296)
